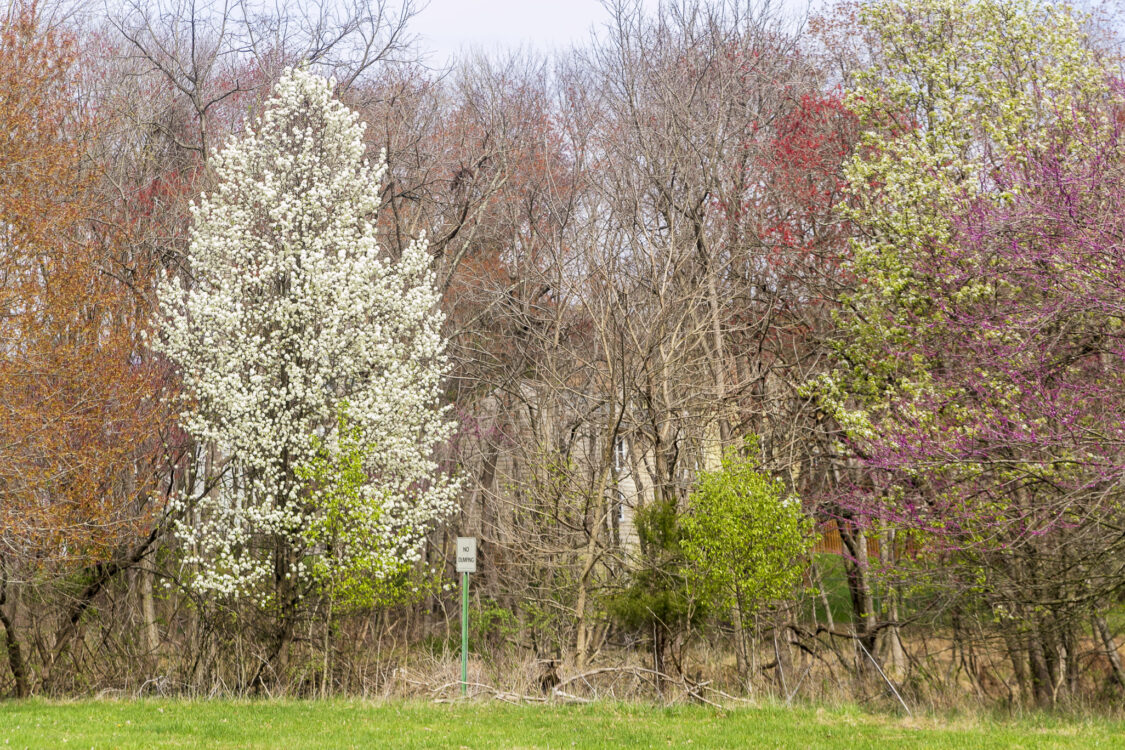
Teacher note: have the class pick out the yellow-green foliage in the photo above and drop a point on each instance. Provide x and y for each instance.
(954, 90)
(746, 539)
(354, 561)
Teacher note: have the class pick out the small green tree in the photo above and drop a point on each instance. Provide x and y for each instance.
(745, 539)
(351, 561)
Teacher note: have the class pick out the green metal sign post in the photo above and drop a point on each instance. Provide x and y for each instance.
(464, 632)
(466, 563)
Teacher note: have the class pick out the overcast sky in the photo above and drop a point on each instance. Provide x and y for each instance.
(448, 26)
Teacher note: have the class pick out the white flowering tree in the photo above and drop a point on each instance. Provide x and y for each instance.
(294, 330)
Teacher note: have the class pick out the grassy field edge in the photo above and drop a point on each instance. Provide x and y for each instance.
(159, 723)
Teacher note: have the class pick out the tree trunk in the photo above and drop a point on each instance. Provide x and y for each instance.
(781, 658)
(894, 660)
(12, 644)
(602, 507)
(658, 645)
(326, 678)
(1101, 627)
(828, 618)
(148, 612)
(582, 625)
(1017, 653)
(1041, 682)
(740, 655)
(859, 583)
(103, 574)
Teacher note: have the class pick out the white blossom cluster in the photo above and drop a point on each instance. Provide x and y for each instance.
(292, 311)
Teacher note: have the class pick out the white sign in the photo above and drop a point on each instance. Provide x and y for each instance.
(466, 554)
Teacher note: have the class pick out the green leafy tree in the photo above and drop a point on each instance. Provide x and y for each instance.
(352, 560)
(746, 540)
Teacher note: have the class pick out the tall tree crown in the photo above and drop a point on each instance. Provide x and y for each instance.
(294, 316)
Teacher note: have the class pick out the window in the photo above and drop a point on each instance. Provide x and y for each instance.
(620, 455)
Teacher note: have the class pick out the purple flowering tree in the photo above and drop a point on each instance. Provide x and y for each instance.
(1004, 457)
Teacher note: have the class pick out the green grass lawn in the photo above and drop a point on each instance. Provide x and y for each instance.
(356, 724)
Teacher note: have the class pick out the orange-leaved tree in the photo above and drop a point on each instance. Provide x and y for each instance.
(81, 413)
